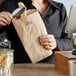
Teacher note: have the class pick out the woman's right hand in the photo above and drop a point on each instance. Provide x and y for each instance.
(5, 18)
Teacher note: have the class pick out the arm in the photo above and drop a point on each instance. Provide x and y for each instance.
(64, 43)
(6, 8)
(5, 19)
(60, 39)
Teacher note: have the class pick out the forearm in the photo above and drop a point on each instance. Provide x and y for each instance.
(64, 44)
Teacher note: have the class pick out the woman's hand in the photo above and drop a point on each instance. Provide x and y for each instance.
(5, 18)
(48, 42)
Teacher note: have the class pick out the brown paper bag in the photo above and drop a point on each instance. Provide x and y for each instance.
(29, 29)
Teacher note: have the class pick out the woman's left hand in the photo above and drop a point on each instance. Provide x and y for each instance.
(48, 41)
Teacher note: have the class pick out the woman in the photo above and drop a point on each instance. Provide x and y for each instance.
(54, 17)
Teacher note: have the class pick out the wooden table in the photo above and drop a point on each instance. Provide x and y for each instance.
(61, 60)
(40, 69)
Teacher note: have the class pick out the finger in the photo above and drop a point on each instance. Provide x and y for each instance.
(53, 45)
(46, 40)
(45, 44)
(3, 20)
(49, 44)
(7, 14)
(47, 47)
(9, 18)
(2, 23)
(10, 15)
(46, 36)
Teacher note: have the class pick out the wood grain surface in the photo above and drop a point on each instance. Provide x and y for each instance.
(41, 69)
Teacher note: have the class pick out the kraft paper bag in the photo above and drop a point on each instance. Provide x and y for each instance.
(29, 28)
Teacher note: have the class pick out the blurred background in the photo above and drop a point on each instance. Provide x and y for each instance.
(67, 4)
(1, 1)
